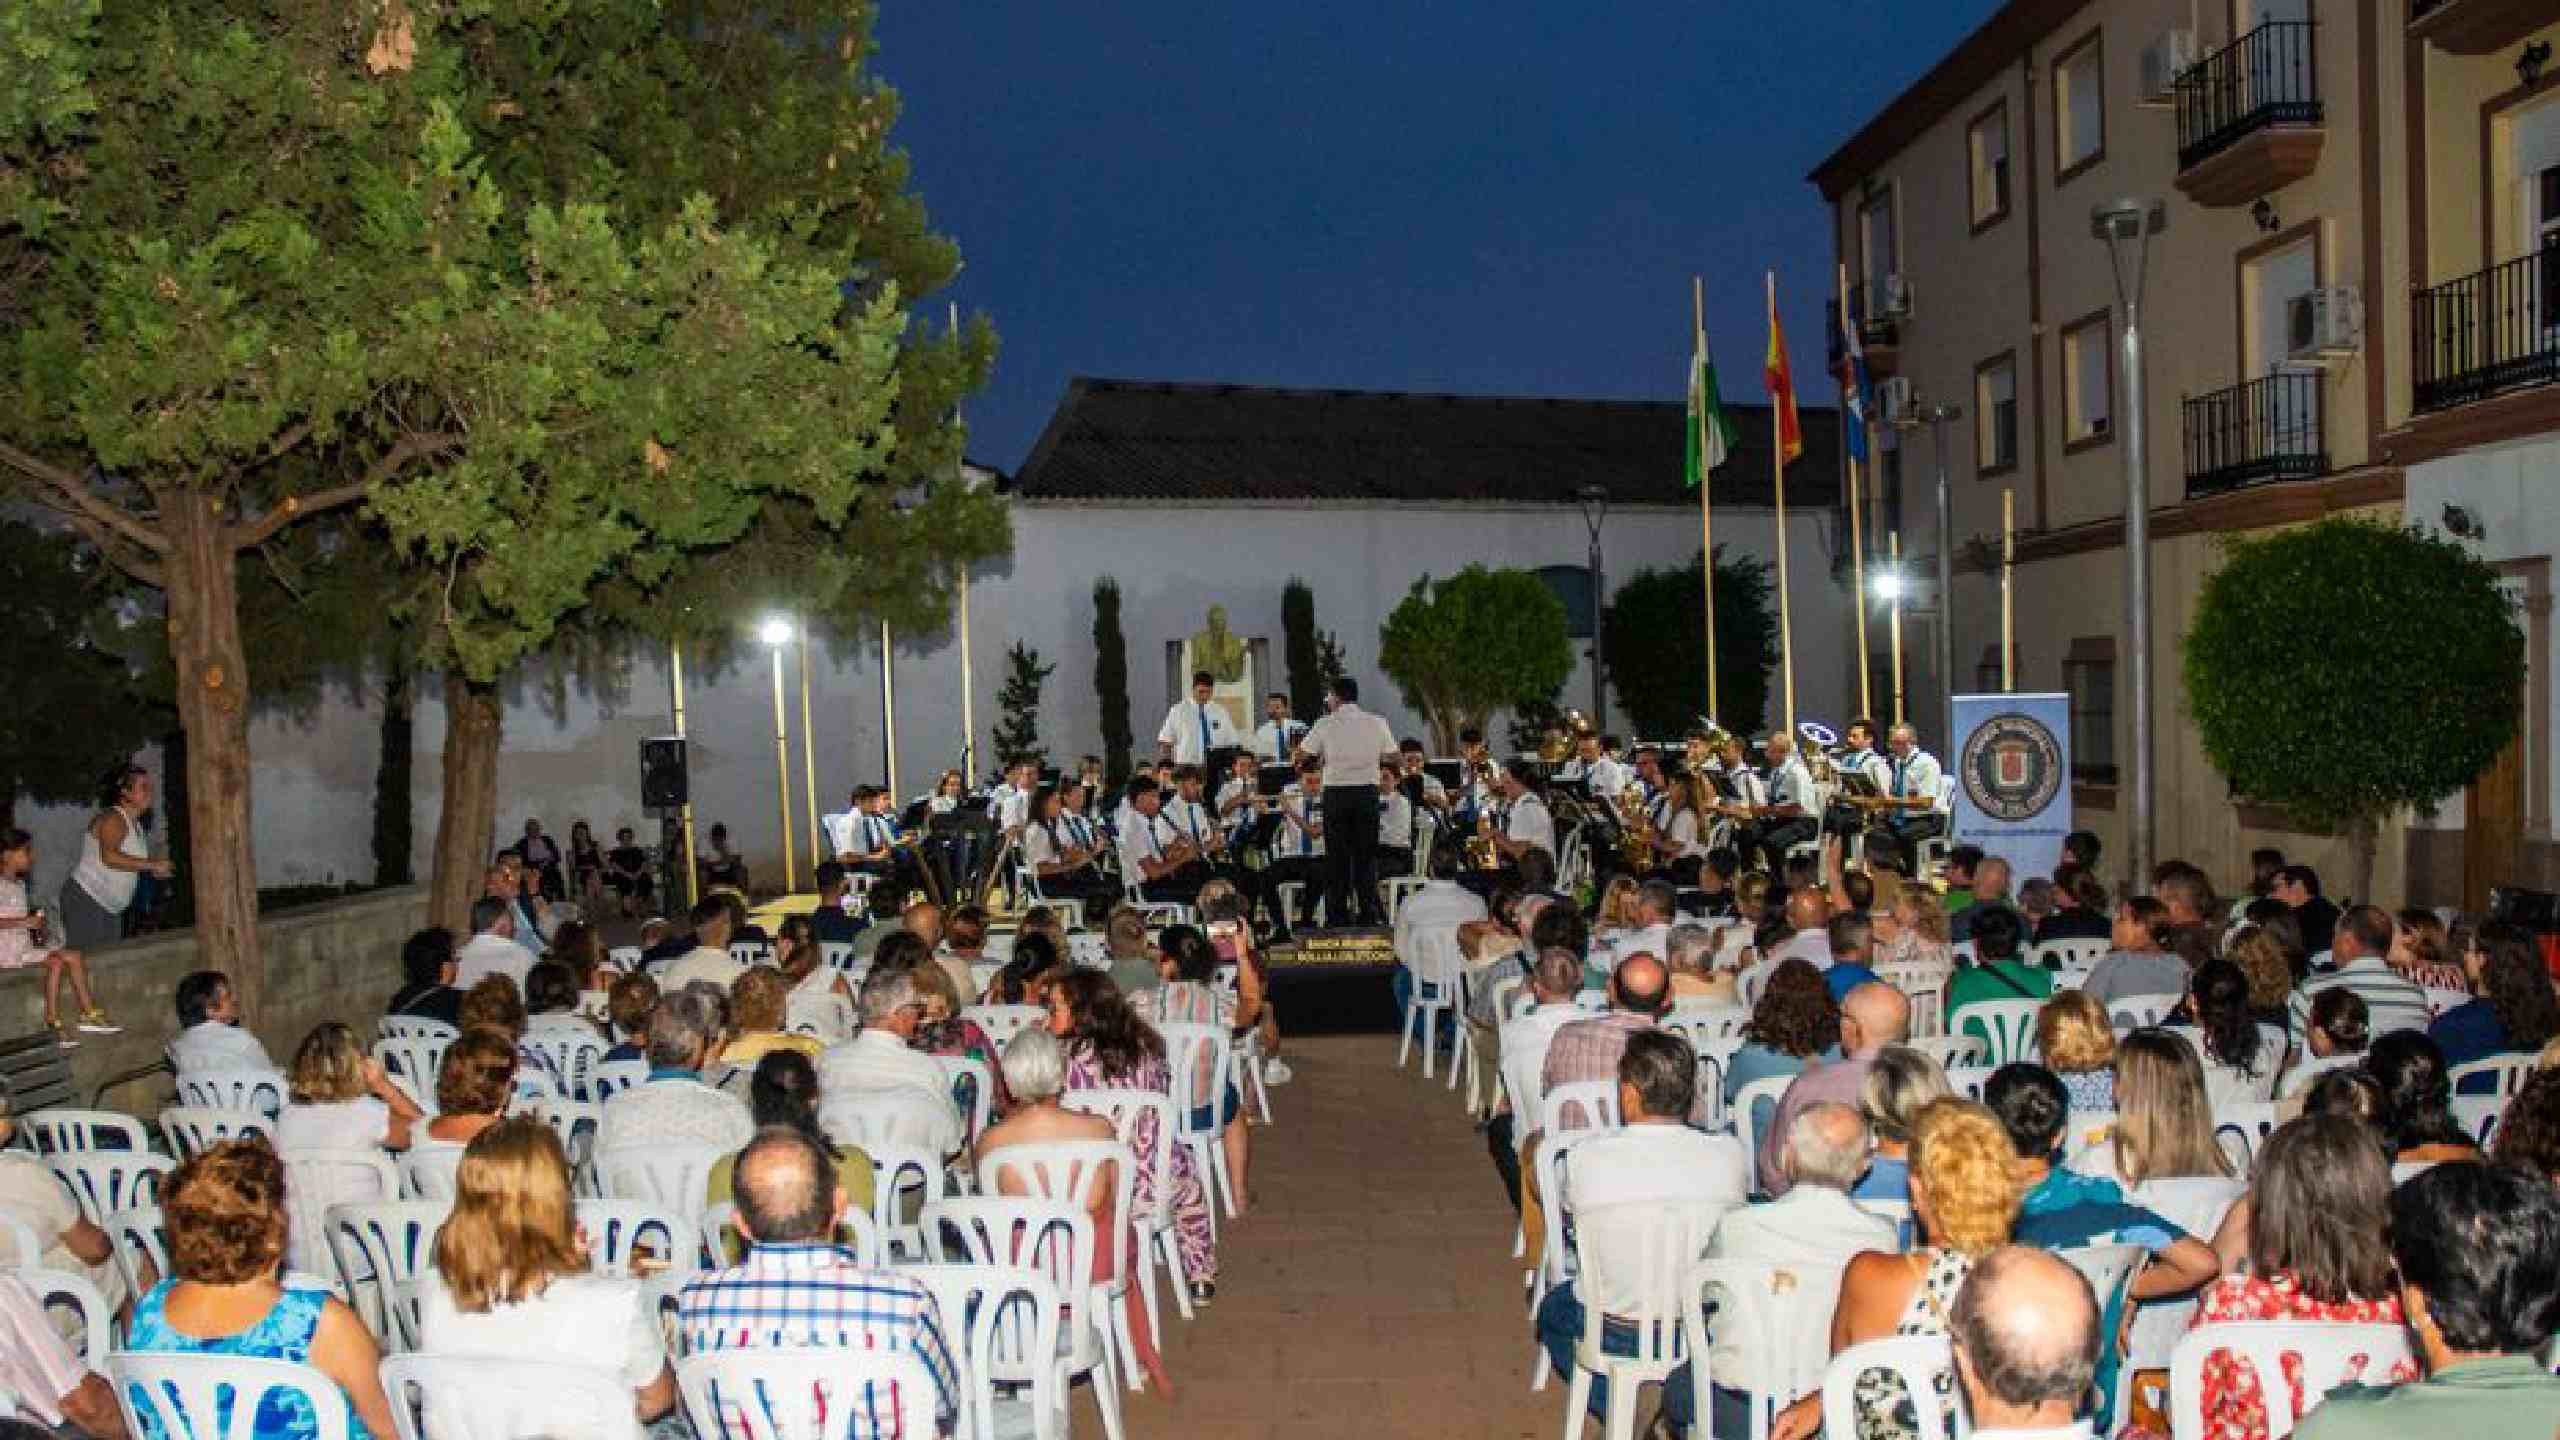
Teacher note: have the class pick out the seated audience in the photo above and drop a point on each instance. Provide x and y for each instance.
(2298, 886)
(32, 1195)
(1107, 1045)
(784, 1092)
(1900, 1083)
(2260, 953)
(54, 1392)
(340, 1098)
(1025, 978)
(1690, 951)
(1808, 924)
(2078, 1044)
(2478, 1251)
(2514, 1005)
(2027, 1344)
(1796, 1023)
(2358, 947)
(2339, 1027)
(210, 1035)
(493, 948)
(2142, 962)
(714, 925)
(628, 1007)
(474, 1083)
(1911, 933)
(878, 1064)
(2239, 1064)
(662, 941)
(1991, 879)
(1190, 995)
(2080, 911)
(947, 1031)
(797, 1289)
(552, 998)
(1133, 961)
(493, 1005)
(2528, 1132)
(759, 1006)
(511, 1271)
(2318, 1205)
(673, 1105)
(1998, 971)
(964, 944)
(225, 1213)
(818, 1000)
(1873, 1017)
(1852, 938)
(427, 969)
(2417, 1100)
(2420, 950)
(2164, 1115)
(1553, 983)
(832, 922)
(718, 863)
(579, 948)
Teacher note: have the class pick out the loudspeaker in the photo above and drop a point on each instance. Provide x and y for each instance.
(662, 774)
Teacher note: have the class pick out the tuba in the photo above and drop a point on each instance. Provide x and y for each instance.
(1815, 741)
(1562, 736)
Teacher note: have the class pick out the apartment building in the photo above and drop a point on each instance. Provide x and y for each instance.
(2346, 308)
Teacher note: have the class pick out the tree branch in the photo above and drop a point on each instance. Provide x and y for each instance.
(294, 507)
(79, 499)
(119, 552)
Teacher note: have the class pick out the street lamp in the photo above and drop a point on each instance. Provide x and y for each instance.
(1889, 586)
(1936, 418)
(776, 633)
(1594, 500)
(2125, 227)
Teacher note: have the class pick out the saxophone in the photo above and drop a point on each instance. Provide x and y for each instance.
(1482, 853)
(1635, 831)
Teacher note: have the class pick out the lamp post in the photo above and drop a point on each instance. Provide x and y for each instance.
(1938, 416)
(1888, 587)
(1594, 500)
(809, 757)
(776, 633)
(2125, 227)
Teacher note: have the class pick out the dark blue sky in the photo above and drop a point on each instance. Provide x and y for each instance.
(1493, 196)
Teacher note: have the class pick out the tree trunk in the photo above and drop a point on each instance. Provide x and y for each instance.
(213, 709)
(2364, 839)
(466, 828)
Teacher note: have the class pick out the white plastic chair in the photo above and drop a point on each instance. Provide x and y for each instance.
(1926, 988)
(414, 1060)
(2078, 955)
(106, 1181)
(978, 1100)
(573, 1049)
(64, 1131)
(191, 1128)
(2306, 1071)
(1715, 1057)
(750, 952)
(1067, 1171)
(380, 1246)
(619, 1231)
(2328, 1357)
(317, 1181)
(1001, 1324)
(1746, 1109)
(1090, 949)
(576, 1122)
(1158, 1242)
(1182, 1047)
(831, 1394)
(723, 1244)
(24, 1249)
(1582, 1105)
(1918, 1361)
(625, 958)
(2141, 1012)
(2109, 1269)
(2239, 1129)
(1556, 1257)
(1968, 1080)
(1778, 1316)
(1003, 1022)
(479, 1397)
(1701, 1023)
(430, 1170)
(97, 1323)
(1952, 1050)
(2195, 1204)
(141, 1242)
(2008, 1028)
(1436, 966)
(259, 1090)
(903, 1178)
(2509, 1072)
(669, 1173)
(1648, 1252)
(418, 1027)
(611, 1077)
(192, 1395)
(2479, 1115)
(1055, 1239)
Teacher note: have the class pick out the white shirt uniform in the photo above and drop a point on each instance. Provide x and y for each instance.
(1274, 739)
(1682, 831)
(1236, 808)
(1531, 823)
(1867, 763)
(1352, 743)
(1189, 723)
(1143, 838)
(1917, 775)
(1395, 820)
(1012, 807)
(842, 833)
(1604, 777)
(1078, 829)
(1792, 784)
(1040, 846)
(1300, 832)
(1192, 821)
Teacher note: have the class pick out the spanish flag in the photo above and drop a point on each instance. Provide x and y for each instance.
(1782, 385)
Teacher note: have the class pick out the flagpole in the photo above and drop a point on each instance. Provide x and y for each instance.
(1857, 542)
(1706, 480)
(1897, 628)
(1778, 470)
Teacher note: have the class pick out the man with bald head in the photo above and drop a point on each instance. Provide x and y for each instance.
(2025, 1333)
(1872, 1017)
(797, 1289)
(1809, 916)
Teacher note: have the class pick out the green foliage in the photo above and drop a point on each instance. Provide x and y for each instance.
(1654, 634)
(1474, 643)
(1330, 666)
(78, 704)
(1018, 731)
(1111, 679)
(1300, 654)
(2348, 670)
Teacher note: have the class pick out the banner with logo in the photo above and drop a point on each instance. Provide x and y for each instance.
(2012, 768)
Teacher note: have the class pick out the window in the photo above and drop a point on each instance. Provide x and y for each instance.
(2079, 107)
(1987, 144)
(2546, 237)
(2271, 283)
(2088, 382)
(1876, 249)
(2089, 675)
(1995, 412)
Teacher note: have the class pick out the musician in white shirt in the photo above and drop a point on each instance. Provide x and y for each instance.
(1196, 728)
(1011, 804)
(1353, 744)
(1154, 857)
(1599, 774)
(1857, 757)
(1062, 859)
(1525, 824)
(870, 845)
(1297, 847)
(1473, 756)
(1912, 811)
(1240, 800)
(1395, 822)
(1679, 817)
(1787, 816)
(1075, 817)
(1276, 738)
(1434, 796)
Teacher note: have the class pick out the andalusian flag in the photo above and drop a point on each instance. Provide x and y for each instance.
(1711, 433)
(1782, 387)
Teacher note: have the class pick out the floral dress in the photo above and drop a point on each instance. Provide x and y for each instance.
(2235, 1405)
(284, 1333)
(1190, 1199)
(1885, 1407)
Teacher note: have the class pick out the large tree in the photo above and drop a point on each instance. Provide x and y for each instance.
(1473, 643)
(567, 292)
(79, 703)
(2346, 671)
(1654, 634)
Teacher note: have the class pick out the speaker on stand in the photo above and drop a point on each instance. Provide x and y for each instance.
(664, 791)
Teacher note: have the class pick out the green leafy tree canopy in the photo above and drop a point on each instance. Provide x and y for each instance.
(1466, 646)
(2348, 670)
(1654, 634)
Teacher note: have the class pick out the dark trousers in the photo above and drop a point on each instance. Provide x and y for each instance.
(1905, 832)
(1506, 1159)
(1772, 837)
(1351, 854)
(1305, 871)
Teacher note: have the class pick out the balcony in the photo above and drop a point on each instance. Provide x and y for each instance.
(2255, 433)
(1880, 335)
(2488, 333)
(2249, 118)
(2476, 27)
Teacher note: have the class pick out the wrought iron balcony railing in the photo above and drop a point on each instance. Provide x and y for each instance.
(2254, 433)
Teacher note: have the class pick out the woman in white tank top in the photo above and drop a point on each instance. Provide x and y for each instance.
(114, 856)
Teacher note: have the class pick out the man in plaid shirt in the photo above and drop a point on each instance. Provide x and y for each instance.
(798, 1290)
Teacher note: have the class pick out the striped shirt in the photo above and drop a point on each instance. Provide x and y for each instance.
(2391, 1002)
(818, 1297)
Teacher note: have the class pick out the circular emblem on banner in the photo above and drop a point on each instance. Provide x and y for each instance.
(2012, 767)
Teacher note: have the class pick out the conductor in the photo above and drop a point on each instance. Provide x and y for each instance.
(1352, 743)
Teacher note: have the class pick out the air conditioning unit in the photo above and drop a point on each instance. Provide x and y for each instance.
(2163, 61)
(1893, 397)
(2323, 324)
(1897, 299)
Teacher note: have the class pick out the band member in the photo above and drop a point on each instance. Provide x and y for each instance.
(1352, 743)
(1065, 867)
(1526, 825)
(1591, 765)
(1276, 738)
(1240, 808)
(1297, 848)
(1857, 757)
(1395, 820)
(874, 845)
(1698, 752)
(1481, 790)
(1011, 803)
(1196, 728)
(1679, 817)
(1089, 771)
(1650, 777)
(1192, 820)
(1155, 859)
(1786, 816)
(1733, 809)
(1910, 811)
(960, 851)
(1076, 822)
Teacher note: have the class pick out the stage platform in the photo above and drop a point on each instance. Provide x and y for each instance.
(1335, 982)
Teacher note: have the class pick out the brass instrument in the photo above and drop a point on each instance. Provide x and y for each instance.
(1561, 738)
(1482, 853)
(1815, 741)
(1635, 831)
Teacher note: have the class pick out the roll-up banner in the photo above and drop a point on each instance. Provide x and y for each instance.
(2013, 777)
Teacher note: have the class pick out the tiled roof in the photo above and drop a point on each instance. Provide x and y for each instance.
(1145, 440)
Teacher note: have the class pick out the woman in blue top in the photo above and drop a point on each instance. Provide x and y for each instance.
(229, 1295)
(2515, 1008)
(1795, 1023)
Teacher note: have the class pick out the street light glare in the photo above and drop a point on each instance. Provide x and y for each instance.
(1888, 585)
(776, 631)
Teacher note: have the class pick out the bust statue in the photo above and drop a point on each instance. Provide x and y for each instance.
(1218, 650)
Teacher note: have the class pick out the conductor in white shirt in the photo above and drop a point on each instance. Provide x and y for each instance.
(1352, 743)
(1196, 728)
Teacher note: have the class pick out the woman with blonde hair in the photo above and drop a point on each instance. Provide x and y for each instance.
(2164, 1117)
(1899, 1085)
(1617, 910)
(759, 1004)
(2078, 1043)
(511, 1266)
(1965, 1194)
(2261, 958)
(1912, 931)
(339, 1098)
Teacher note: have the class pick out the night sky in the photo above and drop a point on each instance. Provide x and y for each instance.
(1486, 197)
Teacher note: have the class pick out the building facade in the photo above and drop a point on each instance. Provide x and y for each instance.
(2329, 327)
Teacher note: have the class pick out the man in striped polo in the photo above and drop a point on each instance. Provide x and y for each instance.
(2359, 948)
